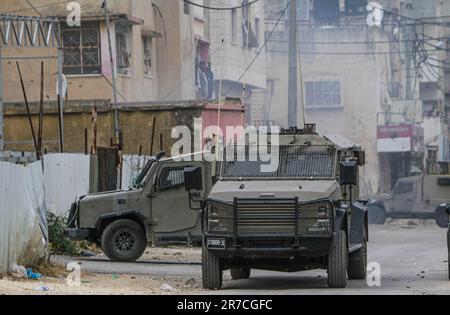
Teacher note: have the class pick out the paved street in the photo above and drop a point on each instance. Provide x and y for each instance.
(412, 255)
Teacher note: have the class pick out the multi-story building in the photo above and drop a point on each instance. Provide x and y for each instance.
(355, 81)
(433, 33)
(158, 49)
(237, 38)
(86, 64)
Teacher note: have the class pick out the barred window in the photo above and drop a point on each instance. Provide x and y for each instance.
(323, 94)
(148, 61)
(123, 53)
(81, 49)
(172, 178)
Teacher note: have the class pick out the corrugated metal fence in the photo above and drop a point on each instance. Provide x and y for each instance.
(27, 192)
(22, 215)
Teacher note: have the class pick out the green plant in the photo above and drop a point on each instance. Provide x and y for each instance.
(59, 244)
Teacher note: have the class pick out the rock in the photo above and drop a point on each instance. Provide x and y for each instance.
(191, 283)
(167, 288)
(87, 253)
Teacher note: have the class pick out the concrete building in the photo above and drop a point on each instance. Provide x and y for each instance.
(434, 81)
(237, 37)
(87, 63)
(353, 82)
(158, 49)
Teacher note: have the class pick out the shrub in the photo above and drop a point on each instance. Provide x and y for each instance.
(59, 244)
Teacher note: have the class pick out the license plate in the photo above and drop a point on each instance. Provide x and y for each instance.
(215, 243)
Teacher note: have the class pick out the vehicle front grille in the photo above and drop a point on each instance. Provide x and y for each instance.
(274, 217)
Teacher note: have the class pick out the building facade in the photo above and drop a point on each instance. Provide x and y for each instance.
(237, 40)
(357, 81)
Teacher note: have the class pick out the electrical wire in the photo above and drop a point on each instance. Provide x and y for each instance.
(419, 20)
(37, 7)
(244, 5)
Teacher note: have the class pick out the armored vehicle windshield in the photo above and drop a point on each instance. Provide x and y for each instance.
(294, 162)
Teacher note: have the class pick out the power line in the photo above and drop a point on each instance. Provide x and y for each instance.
(259, 51)
(37, 7)
(244, 5)
(358, 53)
(421, 21)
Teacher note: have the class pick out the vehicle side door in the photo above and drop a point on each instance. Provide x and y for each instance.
(170, 201)
(404, 197)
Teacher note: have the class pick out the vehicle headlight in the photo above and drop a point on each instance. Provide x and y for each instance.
(321, 218)
(219, 218)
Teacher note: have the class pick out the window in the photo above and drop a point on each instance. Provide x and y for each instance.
(355, 7)
(171, 178)
(249, 38)
(404, 188)
(234, 26)
(323, 94)
(187, 8)
(123, 54)
(81, 49)
(147, 44)
(326, 11)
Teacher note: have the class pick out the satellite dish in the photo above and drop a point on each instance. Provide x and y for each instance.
(376, 14)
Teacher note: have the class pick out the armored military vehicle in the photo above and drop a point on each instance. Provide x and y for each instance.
(305, 215)
(154, 211)
(413, 197)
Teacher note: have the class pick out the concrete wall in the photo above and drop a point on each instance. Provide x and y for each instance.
(136, 122)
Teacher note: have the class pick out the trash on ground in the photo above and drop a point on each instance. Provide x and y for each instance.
(167, 288)
(42, 289)
(33, 275)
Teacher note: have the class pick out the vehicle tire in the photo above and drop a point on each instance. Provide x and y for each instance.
(377, 215)
(211, 271)
(442, 219)
(338, 261)
(123, 241)
(357, 263)
(240, 273)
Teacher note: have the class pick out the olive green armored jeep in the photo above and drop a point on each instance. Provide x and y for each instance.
(154, 211)
(305, 215)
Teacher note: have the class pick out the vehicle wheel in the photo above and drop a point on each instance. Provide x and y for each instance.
(123, 241)
(442, 218)
(211, 271)
(376, 215)
(240, 273)
(338, 261)
(357, 263)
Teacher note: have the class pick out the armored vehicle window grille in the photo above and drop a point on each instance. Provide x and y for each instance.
(246, 162)
(307, 161)
(295, 161)
(172, 178)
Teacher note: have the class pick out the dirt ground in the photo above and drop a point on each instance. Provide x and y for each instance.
(113, 284)
(411, 253)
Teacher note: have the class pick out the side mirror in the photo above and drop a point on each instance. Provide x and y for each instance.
(348, 173)
(193, 178)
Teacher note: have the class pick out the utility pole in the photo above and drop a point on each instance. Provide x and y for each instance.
(293, 66)
(113, 72)
(60, 99)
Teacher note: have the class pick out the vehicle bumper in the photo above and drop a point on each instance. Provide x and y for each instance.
(77, 234)
(271, 247)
